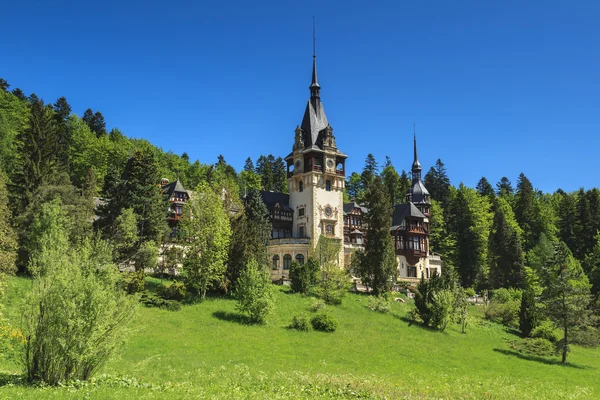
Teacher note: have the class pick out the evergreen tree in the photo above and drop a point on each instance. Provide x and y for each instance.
(95, 121)
(254, 293)
(354, 188)
(404, 185)
(378, 267)
(527, 212)
(391, 180)
(19, 94)
(437, 183)
(504, 188)
(4, 85)
(62, 111)
(249, 165)
(441, 240)
(567, 296)
(505, 254)
(279, 176)
(567, 221)
(251, 231)
(484, 188)
(469, 220)
(588, 210)
(370, 171)
(264, 168)
(591, 266)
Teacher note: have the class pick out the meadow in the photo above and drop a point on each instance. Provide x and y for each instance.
(206, 350)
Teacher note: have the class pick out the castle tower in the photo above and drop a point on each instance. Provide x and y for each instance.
(418, 194)
(316, 173)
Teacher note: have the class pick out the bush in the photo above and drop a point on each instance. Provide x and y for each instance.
(254, 292)
(304, 276)
(469, 292)
(333, 284)
(149, 299)
(174, 291)
(441, 309)
(536, 347)
(545, 331)
(504, 307)
(134, 282)
(380, 304)
(316, 305)
(301, 322)
(324, 322)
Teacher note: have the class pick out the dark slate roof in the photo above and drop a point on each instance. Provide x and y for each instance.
(402, 211)
(348, 207)
(419, 192)
(313, 122)
(272, 198)
(173, 187)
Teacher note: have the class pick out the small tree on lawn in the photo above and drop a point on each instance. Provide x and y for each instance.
(332, 284)
(304, 276)
(567, 296)
(461, 308)
(254, 293)
(206, 227)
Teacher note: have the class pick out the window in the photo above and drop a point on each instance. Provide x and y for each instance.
(301, 231)
(300, 259)
(329, 229)
(301, 212)
(300, 186)
(275, 262)
(412, 272)
(328, 185)
(287, 261)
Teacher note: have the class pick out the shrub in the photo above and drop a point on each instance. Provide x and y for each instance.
(504, 307)
(301, 322)
(304, 276)
(535, 346)
(76, 315)
(470, 292)
(324, 322)
(133, 282)
(380, 304)
(333, 284)
(149, 299)
(441, 309)
(545, 331)
(254, 292)
(174, 291)
(316, 305)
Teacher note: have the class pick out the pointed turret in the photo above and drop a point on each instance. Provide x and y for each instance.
(418, 194)
(416, 167)
(314, 86)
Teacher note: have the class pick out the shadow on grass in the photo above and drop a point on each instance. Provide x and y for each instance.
(543, 360)
(411, 322)
(7, 379)
(232, 317)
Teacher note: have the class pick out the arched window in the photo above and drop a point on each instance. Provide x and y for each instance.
(329, 229)
(300, 259)
(300, 186)
(275, 262)
(287, 261)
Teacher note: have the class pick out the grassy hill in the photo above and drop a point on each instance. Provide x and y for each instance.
(206, 351)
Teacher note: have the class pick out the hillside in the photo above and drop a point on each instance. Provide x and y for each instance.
(205, 351)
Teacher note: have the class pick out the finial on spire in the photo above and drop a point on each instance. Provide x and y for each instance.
(314, 86)
(416, 164)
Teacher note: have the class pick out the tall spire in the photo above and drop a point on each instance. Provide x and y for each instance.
(314, 86)
(416, 167)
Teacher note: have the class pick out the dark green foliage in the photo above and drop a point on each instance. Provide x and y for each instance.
(62, 111)
(545, 330)
(264, 168)
(149, 299)
(529, 315)
(378, 267)
(504, 188)
(249, 165)
(254, 293)
(301, 322)
(528, 213)
(304, 276)
(95, 121)
(174, 291)
(505, 254)
(134, 282)
(279, 175)
(354, 188)
(504, 307)
(567, 222)
(392, 182)
(484, 188)
(370, 171)
(324, 322)
(425, 297)
(437, 183)
(534, 347)
(251, 232)
(19, 94)
(381, 304)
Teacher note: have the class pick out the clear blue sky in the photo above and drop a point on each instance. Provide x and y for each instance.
(494, 88)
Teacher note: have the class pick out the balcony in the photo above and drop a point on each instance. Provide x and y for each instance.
(340, 172)
(278, 241)
(317, 168)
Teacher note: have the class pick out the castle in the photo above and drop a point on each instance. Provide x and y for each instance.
(314, 206)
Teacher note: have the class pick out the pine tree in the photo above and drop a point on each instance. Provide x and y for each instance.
(505, 256)
(19, 94)
(567, 296)
(249, 165)
(527, 212)
(504, 188)
(264, 168)
(4, 85)
(391, 180)
(437, 183)
(404, 186)
(95, 121)
(370, 171)
(62, 111)
(354, 188)
(484, 188)
(279, 176)
(567, 220)
(378, 268)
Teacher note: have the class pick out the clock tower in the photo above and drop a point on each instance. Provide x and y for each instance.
(316, 175)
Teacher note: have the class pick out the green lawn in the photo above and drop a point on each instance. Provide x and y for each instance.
(204, 351)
